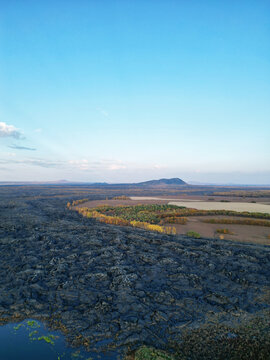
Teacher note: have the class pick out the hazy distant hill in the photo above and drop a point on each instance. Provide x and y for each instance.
(158, 183)
(162, 182)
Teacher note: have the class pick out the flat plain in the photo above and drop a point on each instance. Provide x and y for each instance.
(236, 232)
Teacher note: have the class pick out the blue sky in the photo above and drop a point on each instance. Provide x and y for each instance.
(123, 91)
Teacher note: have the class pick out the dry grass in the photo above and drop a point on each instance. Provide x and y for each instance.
(243, 193)
(224, 231)
(175, 220)
(238, 222)
(121, 197)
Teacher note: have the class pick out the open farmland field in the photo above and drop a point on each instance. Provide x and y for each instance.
(209, 194)
(217, 205)
(258, 232)
(242, 233)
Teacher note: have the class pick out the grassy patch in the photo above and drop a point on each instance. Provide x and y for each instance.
(17, 327)
(32, 333)
(48, 339)
(33, 324)
(148, 353)
(193, 234)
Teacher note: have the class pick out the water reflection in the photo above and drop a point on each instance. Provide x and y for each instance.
(31, 340)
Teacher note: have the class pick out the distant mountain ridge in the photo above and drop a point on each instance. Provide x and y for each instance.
(162, 182)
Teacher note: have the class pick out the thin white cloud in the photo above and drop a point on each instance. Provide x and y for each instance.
(35, 162)
(9, 131)
(17, 147)
(101, 167)
(79, 164)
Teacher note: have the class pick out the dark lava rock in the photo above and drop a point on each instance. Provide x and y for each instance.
(122, 286)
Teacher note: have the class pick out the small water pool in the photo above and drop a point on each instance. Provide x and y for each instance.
(31, 340)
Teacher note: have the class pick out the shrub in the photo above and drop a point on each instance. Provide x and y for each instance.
(151, 227)
(193, 234)
(122, 197)
(195, 212)
(238, 222)
(175, 220)
(243, 193)
(148, 353)
(224, 231)
(80, 201)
